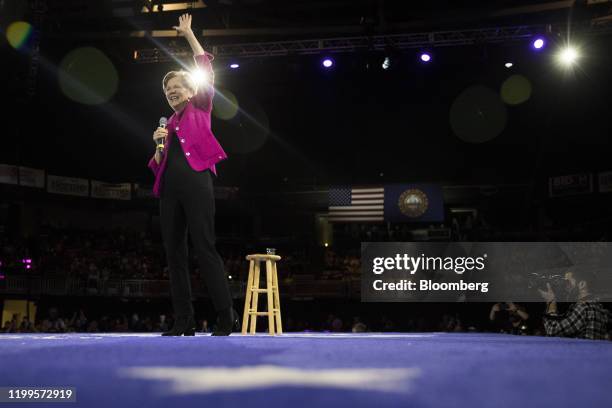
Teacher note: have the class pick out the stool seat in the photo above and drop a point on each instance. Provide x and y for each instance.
(263, 257)
(253, 290)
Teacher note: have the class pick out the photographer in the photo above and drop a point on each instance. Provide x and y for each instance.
(586, 318)
(508, 317)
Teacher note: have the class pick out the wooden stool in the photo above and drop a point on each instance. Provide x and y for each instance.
(271, 290)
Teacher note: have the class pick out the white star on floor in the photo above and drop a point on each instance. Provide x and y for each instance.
(191, 380)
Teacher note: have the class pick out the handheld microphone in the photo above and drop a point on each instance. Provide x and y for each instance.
(163, 122)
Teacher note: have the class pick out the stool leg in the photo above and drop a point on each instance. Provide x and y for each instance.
(277, 306)
(247, 298)
(270, 294)
(255, 297)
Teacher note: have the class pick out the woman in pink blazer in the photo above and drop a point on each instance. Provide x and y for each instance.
(183, 182)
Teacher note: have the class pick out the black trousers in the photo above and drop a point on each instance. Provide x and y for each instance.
(187, 203)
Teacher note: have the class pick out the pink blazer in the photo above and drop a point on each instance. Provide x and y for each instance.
(199, 145)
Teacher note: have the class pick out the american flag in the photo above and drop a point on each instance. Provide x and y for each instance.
(356, 204)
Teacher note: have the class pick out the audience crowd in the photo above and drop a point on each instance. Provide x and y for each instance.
(78, 321)
(95, 258)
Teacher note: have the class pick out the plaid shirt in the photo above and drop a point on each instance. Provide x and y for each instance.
(586, 320)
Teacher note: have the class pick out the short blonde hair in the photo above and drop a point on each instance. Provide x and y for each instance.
(185, 78)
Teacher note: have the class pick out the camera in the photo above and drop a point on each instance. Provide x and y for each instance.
(539, 280)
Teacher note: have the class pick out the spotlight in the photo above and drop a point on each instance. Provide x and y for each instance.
(234, 66)
(386, 63)
(328, 63)
(200, 77)
(425, 57)
(568, 56)
(508, 65)
(538, 43)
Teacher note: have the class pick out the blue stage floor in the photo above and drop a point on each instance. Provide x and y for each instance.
(312, 369)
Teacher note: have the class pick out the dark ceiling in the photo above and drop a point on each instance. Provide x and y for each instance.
(227, 17)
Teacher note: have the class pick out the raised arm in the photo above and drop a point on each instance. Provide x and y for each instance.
(203, 98)
(184, 28)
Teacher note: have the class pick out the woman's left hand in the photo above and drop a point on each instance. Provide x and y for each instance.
(184, 26)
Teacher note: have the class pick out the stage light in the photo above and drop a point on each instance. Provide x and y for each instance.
(386, 63)
(425, 57)
(538, 43)
(234, 66)
(200, 77)
(568, 56)
(508, 65)
(328, 62)
(159, 7)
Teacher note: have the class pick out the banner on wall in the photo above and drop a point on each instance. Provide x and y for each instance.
(112, 191)
(571, 184)
(31, 177)
(9, 174)
(68, 185)
(605, 182)
(141, 191)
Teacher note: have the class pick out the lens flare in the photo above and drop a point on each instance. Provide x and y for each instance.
(478, 115)
(225, 105)
(248, 129)
(18, 33)
(199, 76)
(86, 75)
(515, 90)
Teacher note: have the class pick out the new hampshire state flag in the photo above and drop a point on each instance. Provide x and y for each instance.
(413, 203)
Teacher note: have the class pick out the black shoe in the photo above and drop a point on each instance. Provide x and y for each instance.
(227, 322)
(183, 326)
